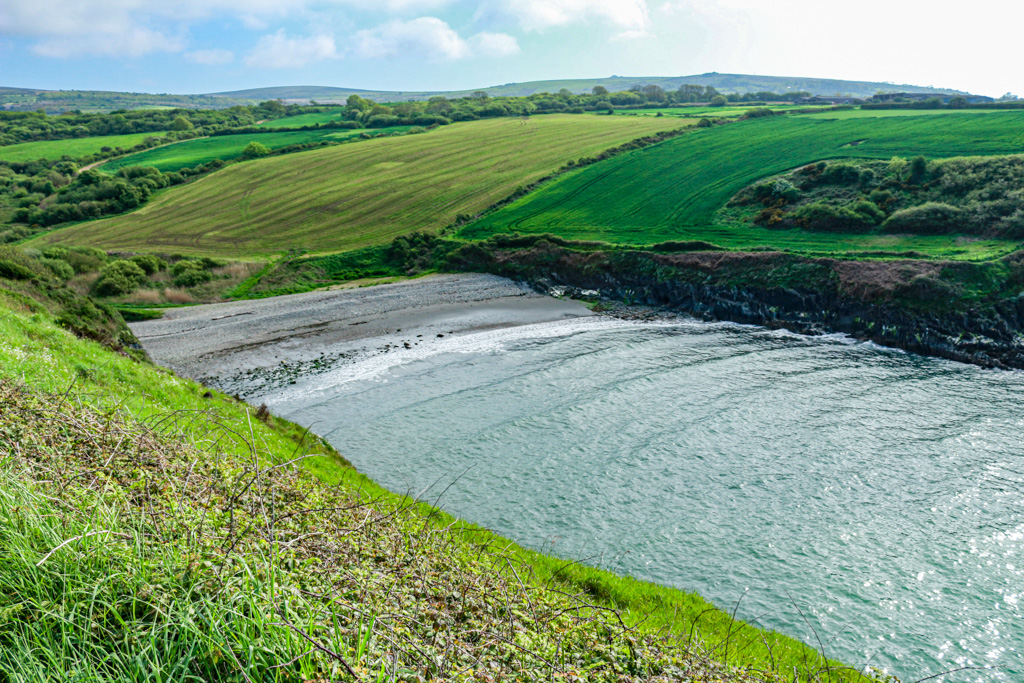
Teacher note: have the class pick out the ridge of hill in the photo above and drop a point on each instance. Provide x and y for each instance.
(32, 99)
(727, 83)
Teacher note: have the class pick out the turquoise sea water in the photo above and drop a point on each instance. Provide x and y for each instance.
(882, 493)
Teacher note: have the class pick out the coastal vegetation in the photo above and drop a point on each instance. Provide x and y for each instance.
(162, 530)
(900, 226)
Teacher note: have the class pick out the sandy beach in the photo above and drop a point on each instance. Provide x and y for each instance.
(240, 345)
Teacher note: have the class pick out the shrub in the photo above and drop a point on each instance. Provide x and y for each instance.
(148, 263)
(918, 170)
(255, 149)
(119, 277)
(932, 218)
(840, 174)
(192, 272)
(15, 271)
(60, 268)
(84, 259)
(758, 113)
(831, 218)
(870, 211)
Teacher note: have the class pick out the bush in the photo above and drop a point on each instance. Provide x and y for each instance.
(60, 268)
(254, 150)
(758, 113)
(15, 271)
(869, 210)
(84, 259)
(840, 174)
(831, 218)
(119, 277)
(932, 218)
(192, 272)
(918, 170)
(148, 263)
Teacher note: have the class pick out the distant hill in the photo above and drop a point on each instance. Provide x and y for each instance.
(726, 83)
(55, 101)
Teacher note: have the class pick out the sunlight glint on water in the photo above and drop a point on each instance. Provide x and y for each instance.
(881, 491)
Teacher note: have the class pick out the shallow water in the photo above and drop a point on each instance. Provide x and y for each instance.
(881, 492)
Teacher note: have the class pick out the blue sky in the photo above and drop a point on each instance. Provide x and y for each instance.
(196, 46)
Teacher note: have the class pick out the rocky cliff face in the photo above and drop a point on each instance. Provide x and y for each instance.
(810, 296)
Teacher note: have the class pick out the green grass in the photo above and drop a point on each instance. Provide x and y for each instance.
(359, 195)
(164, 590)
(885, 113)
(78, 147)
(303, 120)
(191, 153)
(675, 190)
(728, 111)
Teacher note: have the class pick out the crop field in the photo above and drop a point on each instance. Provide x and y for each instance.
(192, 153)
(78, 147)
(302, 120)
(359, 195)
(675, 190)
(885, 113)
(728, 111)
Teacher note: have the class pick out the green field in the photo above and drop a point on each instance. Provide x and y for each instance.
(352, 196)
(728, 111)
(302, 120)
(78, 147)
(885, 113)
(675, 190)
(191, 153)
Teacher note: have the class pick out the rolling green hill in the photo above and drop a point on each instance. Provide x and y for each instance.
(191, 153)
(57, 101)
(674, 190)
(75, 147)
(357, 195)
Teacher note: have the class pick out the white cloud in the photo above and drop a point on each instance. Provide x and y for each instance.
(426, 37)
(281, 51)
(537, 15)
(210, 57)
(131, 28)
(494, 45)
(69, 29)
(431, 39)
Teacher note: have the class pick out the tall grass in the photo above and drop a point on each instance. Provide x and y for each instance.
(151, 530)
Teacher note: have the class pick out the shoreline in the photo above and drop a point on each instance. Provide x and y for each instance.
(233, 346)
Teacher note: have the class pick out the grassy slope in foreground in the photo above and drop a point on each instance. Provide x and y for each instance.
(359, 195)
(76, 147)
(416, 585)
(673, 191)
(191, 153)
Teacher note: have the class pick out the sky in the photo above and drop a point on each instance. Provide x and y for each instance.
(200, 46)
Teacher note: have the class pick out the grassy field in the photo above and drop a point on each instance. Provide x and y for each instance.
(78, 147)
(885, 113)
(358, 195)
(675, 190)
(302, 120)
(728, 111)
(192, 153)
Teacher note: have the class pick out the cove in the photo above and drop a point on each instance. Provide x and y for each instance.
(868, 497)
